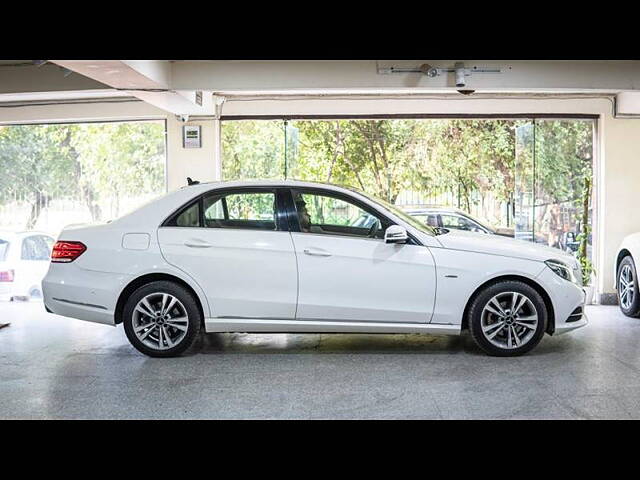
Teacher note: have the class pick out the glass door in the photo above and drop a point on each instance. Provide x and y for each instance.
(523, 194)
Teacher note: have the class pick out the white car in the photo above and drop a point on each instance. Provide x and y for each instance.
(626, 282)
(285, 256)
(24, 260)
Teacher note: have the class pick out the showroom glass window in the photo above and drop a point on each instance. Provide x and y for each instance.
(85, 172)
(523, 175)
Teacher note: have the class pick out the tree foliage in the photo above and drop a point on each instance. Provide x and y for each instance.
(95, 163)
(472, 159)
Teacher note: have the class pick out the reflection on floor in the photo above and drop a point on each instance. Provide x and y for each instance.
(55, 367)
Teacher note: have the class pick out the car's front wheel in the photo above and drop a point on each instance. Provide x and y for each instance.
(628, 297)
(162, 319)
(507, 318)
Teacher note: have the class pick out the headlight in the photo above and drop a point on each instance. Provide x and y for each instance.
(563, 270)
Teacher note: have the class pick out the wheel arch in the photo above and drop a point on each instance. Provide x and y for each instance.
(624, 252)
(551, 320)
(143, 280)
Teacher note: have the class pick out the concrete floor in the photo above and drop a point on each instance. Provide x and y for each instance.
(54, 367)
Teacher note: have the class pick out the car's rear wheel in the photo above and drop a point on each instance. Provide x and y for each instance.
(628, 296)
(162, 319)
(507, 318)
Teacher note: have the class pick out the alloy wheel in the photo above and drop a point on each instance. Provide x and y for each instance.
(626, 283)
(509, 320)
(160, 321)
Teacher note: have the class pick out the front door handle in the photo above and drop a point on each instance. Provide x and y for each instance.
(197, 243)
(316, 252)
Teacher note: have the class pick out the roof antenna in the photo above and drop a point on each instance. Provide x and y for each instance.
(192, 182)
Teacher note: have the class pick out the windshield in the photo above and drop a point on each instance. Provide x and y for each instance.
(414, 222)
(481, 223)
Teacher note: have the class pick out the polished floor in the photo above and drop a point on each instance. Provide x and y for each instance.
(55, 368)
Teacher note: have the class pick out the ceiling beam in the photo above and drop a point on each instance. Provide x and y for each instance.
(149, 80)
(44, 78)
(345, 75)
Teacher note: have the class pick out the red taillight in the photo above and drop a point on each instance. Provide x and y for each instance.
(65, 252)
(6, 276)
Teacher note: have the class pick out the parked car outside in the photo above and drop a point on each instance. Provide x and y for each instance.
(24, 261)
(289, 256)
(448, 217)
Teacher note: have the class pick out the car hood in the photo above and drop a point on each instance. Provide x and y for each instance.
(504, 246)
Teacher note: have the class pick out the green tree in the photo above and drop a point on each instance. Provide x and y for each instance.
(90, 162)
(253, 149)
(117, 160)
(37, 163)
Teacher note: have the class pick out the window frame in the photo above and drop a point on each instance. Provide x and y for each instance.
(280, 216)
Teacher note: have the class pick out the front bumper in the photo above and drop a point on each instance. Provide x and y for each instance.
(565, 327)
(566, 297)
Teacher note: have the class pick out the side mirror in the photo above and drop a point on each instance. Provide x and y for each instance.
(396, 234)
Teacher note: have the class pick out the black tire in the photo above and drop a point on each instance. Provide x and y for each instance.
(630, 309)
(504, 289)
(186, 302)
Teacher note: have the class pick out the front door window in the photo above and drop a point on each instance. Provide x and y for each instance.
(328, 215)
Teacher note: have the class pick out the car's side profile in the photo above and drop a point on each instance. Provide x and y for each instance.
(626, 283)
(294, 256)
(24, 260)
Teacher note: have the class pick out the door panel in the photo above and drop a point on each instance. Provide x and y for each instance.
(244, 273)
(234, 243)
(362, 279)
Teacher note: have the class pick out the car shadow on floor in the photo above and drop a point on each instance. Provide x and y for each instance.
(332, 343)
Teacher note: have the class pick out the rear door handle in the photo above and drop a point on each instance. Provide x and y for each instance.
(316, 252)
(197, 243)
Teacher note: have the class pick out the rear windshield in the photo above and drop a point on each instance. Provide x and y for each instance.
(4, 247)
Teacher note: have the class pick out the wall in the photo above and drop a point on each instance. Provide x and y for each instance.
(198, 163)
(617, 171)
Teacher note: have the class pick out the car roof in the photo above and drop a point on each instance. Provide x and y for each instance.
(157, 210)
(270, 183)
(435, 209)
(8, 234)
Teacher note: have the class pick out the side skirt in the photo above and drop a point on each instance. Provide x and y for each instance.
(316, 326)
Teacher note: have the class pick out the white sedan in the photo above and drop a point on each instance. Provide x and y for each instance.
(286, 256)
(24, 260)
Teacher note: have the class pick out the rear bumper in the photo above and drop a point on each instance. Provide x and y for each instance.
(83, 294)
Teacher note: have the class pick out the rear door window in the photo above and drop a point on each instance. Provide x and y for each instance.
(246, 210)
